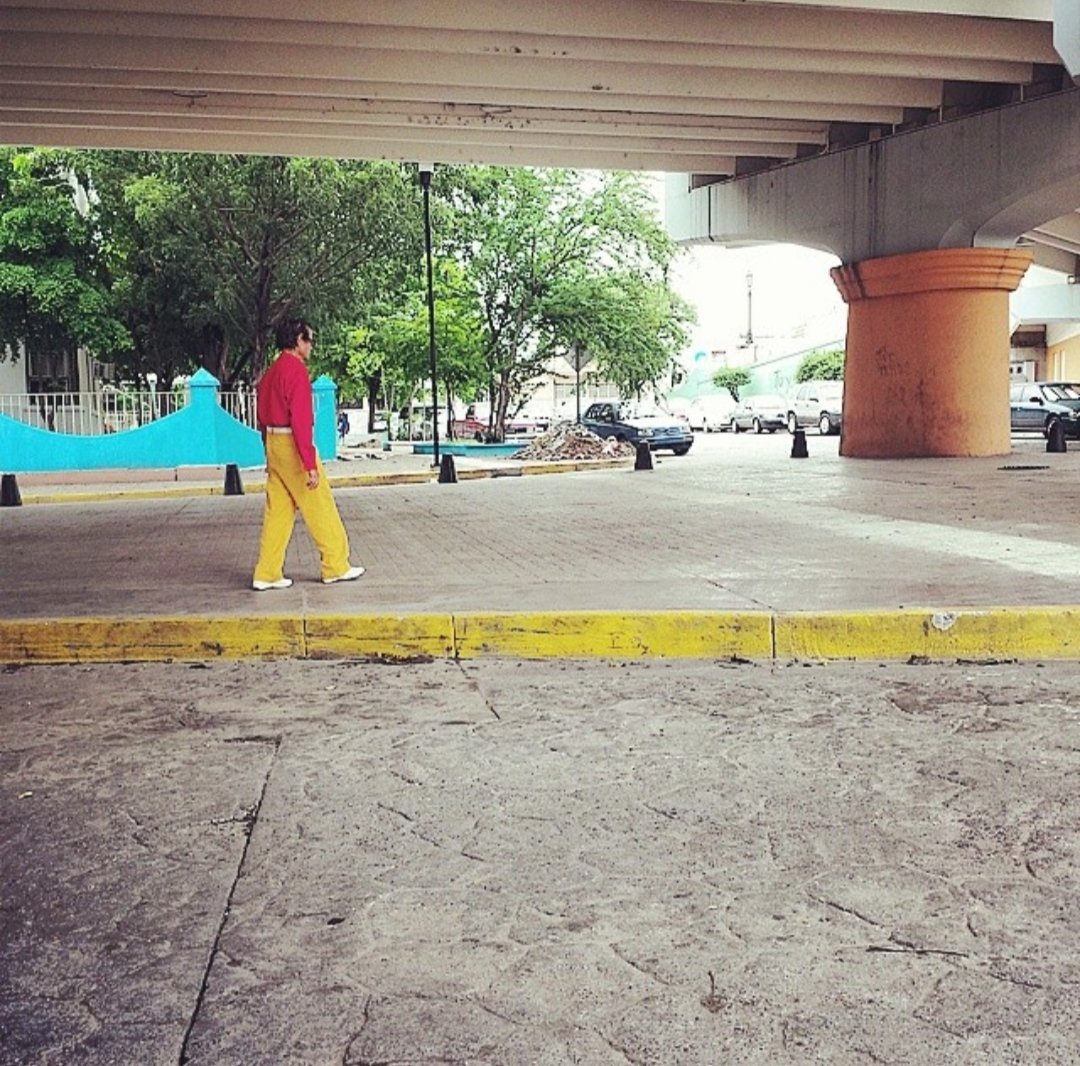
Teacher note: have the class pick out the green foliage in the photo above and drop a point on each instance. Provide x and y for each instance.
(557, 258)
(215, 250)
(54, 295)
(169, 261)
(822, 366)
(732, 379)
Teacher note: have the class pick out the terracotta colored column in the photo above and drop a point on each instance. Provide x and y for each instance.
(927, 368)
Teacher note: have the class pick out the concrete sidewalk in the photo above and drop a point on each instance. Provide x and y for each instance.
(733, 550)
(539, 864)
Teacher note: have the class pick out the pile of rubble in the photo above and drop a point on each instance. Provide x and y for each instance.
(567, 440)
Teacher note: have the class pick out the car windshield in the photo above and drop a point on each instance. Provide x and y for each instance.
(642, 411)
(1061, 392)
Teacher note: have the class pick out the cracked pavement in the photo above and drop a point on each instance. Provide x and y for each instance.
(503, 863)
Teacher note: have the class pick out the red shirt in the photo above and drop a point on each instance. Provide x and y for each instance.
(283, 398)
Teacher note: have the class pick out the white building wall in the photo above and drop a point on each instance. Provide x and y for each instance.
(12, 375)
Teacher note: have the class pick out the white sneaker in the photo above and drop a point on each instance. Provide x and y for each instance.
(263, 586)
(350, 575)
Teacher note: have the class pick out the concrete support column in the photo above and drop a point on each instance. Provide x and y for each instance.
(927, 368)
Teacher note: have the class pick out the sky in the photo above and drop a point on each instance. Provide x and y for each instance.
(793, 302)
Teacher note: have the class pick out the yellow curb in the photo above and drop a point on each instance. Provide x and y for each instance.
(615, 634)
(933, 633)
(1021, 633)
(346, 481)
(122, 494)
(86, 640)
(381, 636)
(337, 481)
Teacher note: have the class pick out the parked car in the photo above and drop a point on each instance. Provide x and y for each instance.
(621, 421)
(711, 413)
(762, 414)
(816, 403)
(1035, 406)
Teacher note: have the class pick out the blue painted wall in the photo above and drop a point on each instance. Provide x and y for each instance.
(202, 434)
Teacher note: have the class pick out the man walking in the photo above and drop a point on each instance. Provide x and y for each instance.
(295, 478)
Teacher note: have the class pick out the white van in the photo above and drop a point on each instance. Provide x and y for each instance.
(711, 413)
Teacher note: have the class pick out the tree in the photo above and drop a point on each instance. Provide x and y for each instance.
(162, 280)
(822, 366)
(54, 296)
(259, 238)
(556, 258)
(386, 350)
(633, 326)
(732, 379)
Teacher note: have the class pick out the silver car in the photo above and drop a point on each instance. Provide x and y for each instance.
(817, 403)
(762, 414)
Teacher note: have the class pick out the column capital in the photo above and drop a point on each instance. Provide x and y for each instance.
(932, 271)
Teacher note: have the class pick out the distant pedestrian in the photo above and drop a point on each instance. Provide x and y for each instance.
(343, 426)
(295, 478)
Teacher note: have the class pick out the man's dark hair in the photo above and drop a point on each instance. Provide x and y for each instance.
(289, 331)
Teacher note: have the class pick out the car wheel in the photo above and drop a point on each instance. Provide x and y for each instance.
(757, 425)
(478, 437)
(824, 425)
(734, 425)
(792, 422)
(682, 449)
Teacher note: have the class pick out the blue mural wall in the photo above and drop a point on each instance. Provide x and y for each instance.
(202, 434)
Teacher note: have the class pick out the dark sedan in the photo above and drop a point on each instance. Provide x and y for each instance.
(611, 419)
(1035, 406)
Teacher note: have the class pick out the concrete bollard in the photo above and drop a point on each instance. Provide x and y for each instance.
(233, 484)
(447, 471)
(9, 492)
(798, 445)
(643, 459)
(1055, 437)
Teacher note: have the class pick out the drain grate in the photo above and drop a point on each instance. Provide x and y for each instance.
(1022, 467)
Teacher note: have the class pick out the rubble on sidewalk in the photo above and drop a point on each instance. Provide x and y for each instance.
(567, 440)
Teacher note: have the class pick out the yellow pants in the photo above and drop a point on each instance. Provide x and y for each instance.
(286, 493)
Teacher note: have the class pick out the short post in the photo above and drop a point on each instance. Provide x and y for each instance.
(798, 445)
(233, 485)
(1055, 437)
(447, 473)
(9, 492)
(643, 459)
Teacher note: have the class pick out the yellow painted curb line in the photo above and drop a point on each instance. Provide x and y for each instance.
(615, 634)
(1021, 633)
(353, 481)
(426, 636)
(337, 481)
(934, 633)
(88, 640)
(122, 494)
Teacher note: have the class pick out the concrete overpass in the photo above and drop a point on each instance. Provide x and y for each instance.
(921, 140)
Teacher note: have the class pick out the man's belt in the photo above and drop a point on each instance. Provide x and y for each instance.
(278, 429)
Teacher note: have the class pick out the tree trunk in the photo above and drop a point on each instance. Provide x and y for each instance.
(374, 383)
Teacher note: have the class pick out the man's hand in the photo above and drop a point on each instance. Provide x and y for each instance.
(313, 479)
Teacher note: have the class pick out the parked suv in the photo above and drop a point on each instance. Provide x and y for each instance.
(1036, 405)
(816, 403)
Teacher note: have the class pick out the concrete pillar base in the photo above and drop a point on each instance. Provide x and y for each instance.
(927, 367)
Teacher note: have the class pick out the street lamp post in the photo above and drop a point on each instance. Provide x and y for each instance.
(749, 309)
(426, 170)
(580, 358)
